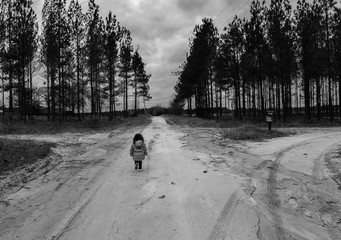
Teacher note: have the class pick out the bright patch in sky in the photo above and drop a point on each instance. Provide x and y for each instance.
(136, 3)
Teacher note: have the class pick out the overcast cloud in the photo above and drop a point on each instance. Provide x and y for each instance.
(162, 28)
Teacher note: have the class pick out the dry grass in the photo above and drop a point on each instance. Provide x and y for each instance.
(17, 153)
(253, 133)
(199, 122)
(43, 126)
(231, 122)
(232, 129)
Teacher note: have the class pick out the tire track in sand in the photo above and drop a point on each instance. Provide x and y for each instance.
(271, 195)
(221, 227)
(274, 202)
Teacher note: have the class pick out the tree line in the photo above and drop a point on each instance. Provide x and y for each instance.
(284, 60)
(87, 62)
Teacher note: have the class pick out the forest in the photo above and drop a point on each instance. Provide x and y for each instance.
(281, 60)
(87, 62)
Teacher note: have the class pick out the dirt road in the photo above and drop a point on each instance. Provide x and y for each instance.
(194, 185)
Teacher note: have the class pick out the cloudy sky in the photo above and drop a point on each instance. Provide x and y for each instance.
(162, 28)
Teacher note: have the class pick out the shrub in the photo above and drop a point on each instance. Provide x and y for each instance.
(176, 108)
(157, 110)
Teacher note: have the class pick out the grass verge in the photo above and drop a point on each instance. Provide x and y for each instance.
(17, 153)
(252, 133)
(200, 122)
(43, 126)
(232, 129)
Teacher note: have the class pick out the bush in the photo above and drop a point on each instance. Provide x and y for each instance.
(94, 123)
(5, 126)
(157, 111)
(176, 108)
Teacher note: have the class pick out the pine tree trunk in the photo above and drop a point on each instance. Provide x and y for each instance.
(244, 98)
(92, 91)
(23, 93)
(59, 90)
(212, 97)
(10, 64)
(3, 94)
(318, 98)
(98, 91)
(126, 95)
(31, 91)
(48, 69)
(110, 92)
(253, 99)
(330, 102)
(220, 102)
(114, 96)
(53, 93)
(78, 82)
(284, 101)
(10, 94)
(83, 96)
(135, 107)
(278, 95)
(236, 95)
(340, 96)
(307, 97)
(262, 98)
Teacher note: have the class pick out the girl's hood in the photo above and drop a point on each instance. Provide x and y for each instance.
(139, 144)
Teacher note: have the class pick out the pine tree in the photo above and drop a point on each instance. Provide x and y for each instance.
(138, 71)
(310, 53)
(281, 45)
(336, 32)
(25, 44)
(327, 7)
(256, 54)
(2, 52)
(77, 27)
(112, 38)
(9, 52)
(126, 50)
(50, 53)
(63, 41)
(201, 58)
(94, 50)
(140, 80)
(185, 86)
(233, 46)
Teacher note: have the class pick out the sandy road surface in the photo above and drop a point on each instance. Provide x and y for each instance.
(194, 185)
(171, 199)
(295, 181)
(174, 197)
(303, 184)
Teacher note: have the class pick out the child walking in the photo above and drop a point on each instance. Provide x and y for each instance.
(138, 151)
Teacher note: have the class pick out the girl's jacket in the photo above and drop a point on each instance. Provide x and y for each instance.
(138, 150)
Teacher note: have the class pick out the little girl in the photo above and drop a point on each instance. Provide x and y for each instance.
(138, 151)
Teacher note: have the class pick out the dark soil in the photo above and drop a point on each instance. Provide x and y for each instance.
(17, 153)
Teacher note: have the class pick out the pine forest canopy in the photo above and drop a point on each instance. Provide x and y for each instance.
(88, 62)
(281, 59)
